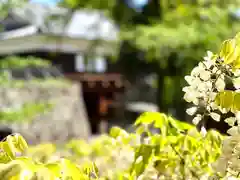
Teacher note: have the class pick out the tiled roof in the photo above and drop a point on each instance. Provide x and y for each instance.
(80, 24)
(70, 32)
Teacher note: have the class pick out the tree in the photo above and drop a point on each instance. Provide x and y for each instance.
(171, 35)
(177, 35)
(7, 5)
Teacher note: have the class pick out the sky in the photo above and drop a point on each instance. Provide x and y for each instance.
(47, 2)
(136, 4)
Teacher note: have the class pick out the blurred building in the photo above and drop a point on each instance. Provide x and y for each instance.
(78, 42)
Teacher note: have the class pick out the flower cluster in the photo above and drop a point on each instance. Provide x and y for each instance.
(210, 77)
(228, 165)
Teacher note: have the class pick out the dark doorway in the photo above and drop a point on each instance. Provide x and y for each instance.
(92, 105)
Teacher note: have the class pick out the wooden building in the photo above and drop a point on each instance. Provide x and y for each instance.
(66, 40)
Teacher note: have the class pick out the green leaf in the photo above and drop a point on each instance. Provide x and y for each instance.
(225, 99)
(115, 132)
(236, 104)
(179, 125)
(227, 51)
(145, 118)
(55, 168)
(142, 157)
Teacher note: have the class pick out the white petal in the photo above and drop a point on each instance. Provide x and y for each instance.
(189, 79)
(223, 110)
(191, 111)
(233, 131)
(236, 83)
(205, 75)
(203, 131)
(209, 53)
(190, 96)
(197, 70)
(220, 84)
(231, 121)
(215, 69)
(221, 165)
(195, 101)
(197, 119)
(237, 115)
(215, 116)
(201, 66)
(208, 85)
(237, 73)
(187, 89)
(195, 83)
(212, 95)
(202, 87)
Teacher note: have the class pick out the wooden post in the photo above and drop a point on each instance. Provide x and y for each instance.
(103, 111)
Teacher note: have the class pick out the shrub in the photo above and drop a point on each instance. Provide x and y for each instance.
(214, 91)
(180, 151)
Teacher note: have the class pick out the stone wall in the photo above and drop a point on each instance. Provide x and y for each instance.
(67, 119)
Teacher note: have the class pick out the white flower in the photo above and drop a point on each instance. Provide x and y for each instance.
(197, 70)
(196, 101)
(190, 95)
(187, 89)
(208, 85)
(191, 111)
(237, 72)
(209, 56)
(237, 114)
(216, 71)
(197, 119)
(203, 131)
(221, 165)
(233, 131)
(202, 66)
(208, 108)
(223, 110)
(231, 121)
(202, 87)
(220, 84)
(208, 59)
(215, 116)
(195, 82)
(227, 148)
(213, 105)
(212, 96)
(231, 178)
(205, 75)
(189, 79)
(236, 83)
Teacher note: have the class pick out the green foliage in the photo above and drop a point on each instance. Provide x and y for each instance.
(229, 100)
(20, 62)
(161, 39)
(214, 91)
(101, 5)
(12, 62)
(178, 152)
(6, 6)
(49, 82)
(25, 113)
(13, 167)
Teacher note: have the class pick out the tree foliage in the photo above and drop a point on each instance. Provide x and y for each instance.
(178, 152)
(167, 155)
(170, 35)
(6, 6)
